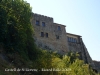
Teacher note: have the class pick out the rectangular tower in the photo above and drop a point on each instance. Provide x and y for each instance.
(49, 35)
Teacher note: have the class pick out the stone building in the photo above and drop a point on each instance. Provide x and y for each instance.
(76, 44)
(53, 36)
(49, 35)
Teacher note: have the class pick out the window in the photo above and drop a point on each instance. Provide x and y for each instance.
(75, 40)
(59, 28)
(46, 34)
(42, 34)
(69, 39)
(43, 24)
(57, 37)
(72, 39)
(37, 22)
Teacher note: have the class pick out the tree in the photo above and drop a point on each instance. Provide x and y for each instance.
(16, 31)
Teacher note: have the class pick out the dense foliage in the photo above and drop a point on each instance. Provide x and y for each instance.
(17, 44)
(16, 32)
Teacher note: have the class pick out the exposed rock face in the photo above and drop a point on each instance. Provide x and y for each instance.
(53, 36)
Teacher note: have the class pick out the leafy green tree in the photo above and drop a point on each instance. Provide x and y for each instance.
(66, 65)
(16, 31)
(3, 26)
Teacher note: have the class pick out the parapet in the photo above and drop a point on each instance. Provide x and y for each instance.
(42, 17)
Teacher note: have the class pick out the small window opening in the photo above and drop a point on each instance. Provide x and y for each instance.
(46, 34)
(43, 24)
(42, 34)
(59, 28)
(57, 37)
(37, 22)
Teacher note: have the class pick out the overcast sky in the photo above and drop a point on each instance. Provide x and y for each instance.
(81, 17)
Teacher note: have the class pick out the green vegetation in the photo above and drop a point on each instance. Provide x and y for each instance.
(17, 48)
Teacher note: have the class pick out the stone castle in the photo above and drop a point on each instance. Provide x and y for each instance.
(53, 36)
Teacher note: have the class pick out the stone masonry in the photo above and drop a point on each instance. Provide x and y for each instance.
(49, 35)
(53, 36)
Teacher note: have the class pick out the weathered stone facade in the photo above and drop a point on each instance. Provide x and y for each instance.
(53, 36)
(76, 44)
(49, 35)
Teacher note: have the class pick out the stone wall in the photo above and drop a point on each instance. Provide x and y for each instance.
(78, 46)
(56, 39)
(97, 65)
(73, 42)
